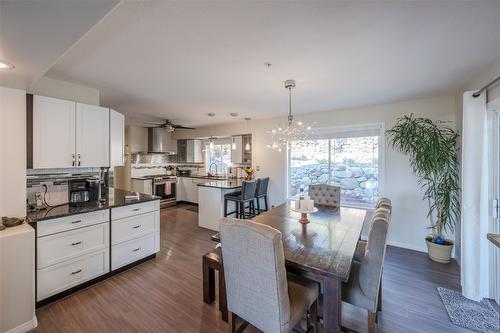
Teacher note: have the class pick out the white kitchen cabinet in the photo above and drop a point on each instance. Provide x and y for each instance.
(92, 135)
(54, 124)
(237, 154)
(136, 232)
(116, 138)
(180, 189)
(193, 151)
(68, 134)
(71, 250)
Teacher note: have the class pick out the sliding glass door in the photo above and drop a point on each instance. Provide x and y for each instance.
(349, 158)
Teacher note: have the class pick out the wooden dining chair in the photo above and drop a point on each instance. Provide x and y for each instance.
(363, 288)
(257, 286)
(325, 195)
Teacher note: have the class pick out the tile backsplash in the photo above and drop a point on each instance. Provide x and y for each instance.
(56, 182)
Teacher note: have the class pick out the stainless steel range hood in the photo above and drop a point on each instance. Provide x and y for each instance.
(159, 141)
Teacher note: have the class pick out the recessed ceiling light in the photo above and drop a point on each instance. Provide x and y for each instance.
(6, 65)
(248, 118)
(233, 114)
(211, 114)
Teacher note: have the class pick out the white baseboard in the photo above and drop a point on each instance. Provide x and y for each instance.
(25, 327)
(408, 246)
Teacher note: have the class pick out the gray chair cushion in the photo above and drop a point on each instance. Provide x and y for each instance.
(362, 289)
(360, 250)
(302, 292)
(256, 279)
(325, 195)
(351, 291)
(373, 261)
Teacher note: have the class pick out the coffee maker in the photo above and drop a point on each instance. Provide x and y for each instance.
(83, 191)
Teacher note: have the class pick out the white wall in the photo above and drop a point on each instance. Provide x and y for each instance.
(12, 152)
(47, 86)
(17, 252)
(409, 221)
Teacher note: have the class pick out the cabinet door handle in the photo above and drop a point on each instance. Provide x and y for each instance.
(76, 243)
(76, 272)
(136, 209)
(136, 226)
(77, 221)
(135, 250)
(73, 156)
(79, 160)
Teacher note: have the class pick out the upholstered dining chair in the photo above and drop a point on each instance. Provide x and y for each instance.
(325, 195)
(258, 289)
(363, 288)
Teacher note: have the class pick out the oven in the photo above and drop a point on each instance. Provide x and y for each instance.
(165, 188)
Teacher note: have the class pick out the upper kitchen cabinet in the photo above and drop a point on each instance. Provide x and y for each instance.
(92, 135)
(116, 138)
(67, 134)
(242, 149)
(189, 151)
(54, 129)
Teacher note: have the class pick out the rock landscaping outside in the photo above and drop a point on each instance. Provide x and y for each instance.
(356, 174)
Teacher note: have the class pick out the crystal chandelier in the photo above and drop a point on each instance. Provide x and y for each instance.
(293, 131)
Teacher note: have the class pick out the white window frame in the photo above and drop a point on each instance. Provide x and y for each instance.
(331, 131)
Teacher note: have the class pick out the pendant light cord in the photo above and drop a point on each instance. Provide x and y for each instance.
(290, 117)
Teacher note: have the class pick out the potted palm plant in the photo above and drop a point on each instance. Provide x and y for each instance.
(432, 150)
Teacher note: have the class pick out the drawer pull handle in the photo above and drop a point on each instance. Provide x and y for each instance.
(77, 221)
(136, 209)
(135, 250)
(76, 243)
(76, 272)
(136, 226)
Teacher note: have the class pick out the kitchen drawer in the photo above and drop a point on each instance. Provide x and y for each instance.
(57, 278)
(61, 224)
(133, 227)
(70, 244)
(136, 209)
(133, 250)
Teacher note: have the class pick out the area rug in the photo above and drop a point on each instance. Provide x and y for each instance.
(478, 316)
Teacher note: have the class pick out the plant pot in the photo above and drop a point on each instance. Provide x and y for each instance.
(439, 252)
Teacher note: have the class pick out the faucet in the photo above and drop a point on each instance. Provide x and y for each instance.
(210, 168)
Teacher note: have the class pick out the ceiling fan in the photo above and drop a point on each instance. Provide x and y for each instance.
(168, 125)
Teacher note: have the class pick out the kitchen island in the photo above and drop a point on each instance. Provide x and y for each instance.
(211, 201)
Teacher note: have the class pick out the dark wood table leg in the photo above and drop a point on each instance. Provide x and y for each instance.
(222, 294)
(208, 282)
(332, 305)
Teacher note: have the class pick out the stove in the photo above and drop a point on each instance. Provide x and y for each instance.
(165, 187)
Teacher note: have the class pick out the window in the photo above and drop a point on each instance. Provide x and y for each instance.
(348, 158)
(219, 157)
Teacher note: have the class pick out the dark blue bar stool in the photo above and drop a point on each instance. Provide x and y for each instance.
(261, 193)
(241, 199)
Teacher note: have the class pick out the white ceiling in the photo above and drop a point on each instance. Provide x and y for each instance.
(182, 60)
(35, 33)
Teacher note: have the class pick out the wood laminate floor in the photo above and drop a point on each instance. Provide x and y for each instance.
(165, 294)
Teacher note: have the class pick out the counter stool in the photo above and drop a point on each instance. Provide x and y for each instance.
(212, 261)
(241, 198)
(261, 192)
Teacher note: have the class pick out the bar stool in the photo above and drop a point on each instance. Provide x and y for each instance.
(241, 198)
(261, 192)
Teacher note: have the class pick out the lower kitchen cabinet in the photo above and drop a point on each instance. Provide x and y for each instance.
(70, 251)
(136, 235)
(75, 249)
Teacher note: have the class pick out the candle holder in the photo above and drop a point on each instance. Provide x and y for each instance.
(303, 214)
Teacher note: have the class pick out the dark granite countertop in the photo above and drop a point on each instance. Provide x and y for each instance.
(495, 239)
(116, 198)
(224, 184)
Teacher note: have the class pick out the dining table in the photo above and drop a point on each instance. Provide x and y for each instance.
(322, 250)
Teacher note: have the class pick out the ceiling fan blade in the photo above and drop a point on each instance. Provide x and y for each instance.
(183, 127)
